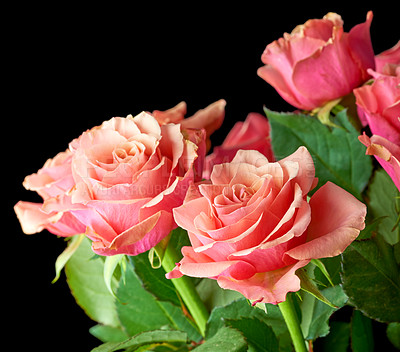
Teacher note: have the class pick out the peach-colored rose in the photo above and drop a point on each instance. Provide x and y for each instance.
(118, 182)
(252, 134)
(251, 227)
(210, 118)
(319, 62)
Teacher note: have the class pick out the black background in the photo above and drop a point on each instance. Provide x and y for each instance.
(69, 68)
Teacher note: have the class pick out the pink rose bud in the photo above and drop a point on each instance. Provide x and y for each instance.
(117, 183)
(251, 227)
(319, 62)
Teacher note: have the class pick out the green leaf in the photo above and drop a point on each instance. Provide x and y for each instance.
(226, 339)
(274, 318)
(108, 333)
(62, 259)
(154, 280)
(371, 279)
(137, 309)
(179, 321)
(371, 229)
(86, 281)
(308, 286)
(179, 238)
(393, 334)
(362, 338)
(236, 310)
(140, 310)
(142, 339)
(321, 266)
(213, 296)
(241, 309)
(258, 335)
(316, 314)
(383, 195)
(333, 267)
(338, 155)
(338, 339)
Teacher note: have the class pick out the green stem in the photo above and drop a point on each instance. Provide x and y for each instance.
(292, 322)
(187, 291)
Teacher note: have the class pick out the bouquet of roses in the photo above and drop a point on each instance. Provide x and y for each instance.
(251, 245)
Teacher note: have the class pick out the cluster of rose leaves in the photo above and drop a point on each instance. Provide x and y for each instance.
(127, 183)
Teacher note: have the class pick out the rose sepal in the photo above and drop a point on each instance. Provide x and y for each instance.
(308, 285)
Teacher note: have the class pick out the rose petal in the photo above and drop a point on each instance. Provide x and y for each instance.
(120, 215)
(169, 198)
(185, 213)
(173, 115)
(138, 239)
(209, 118)
(387, 154)
(147, 124)
(360, 46)
(254, 126)
(300, 168)
(251, 157)
(285, 89)
(337, 218)
(333, 78)
(199, 265)
(171, 143)
(269, 287)
(379, 104)
(388, 58)
(33, 219)
(124, 126)
(269, 255)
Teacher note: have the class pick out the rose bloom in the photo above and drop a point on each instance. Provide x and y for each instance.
(319, 62)
(252, 134)
(251, 227)
(117, 183)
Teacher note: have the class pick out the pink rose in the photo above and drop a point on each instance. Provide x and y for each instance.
(118, 184)
(388, 62)
(387, 154)
(253, 134)
(379, 106)
(319, 62)
(251, 227)
(209, 118)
